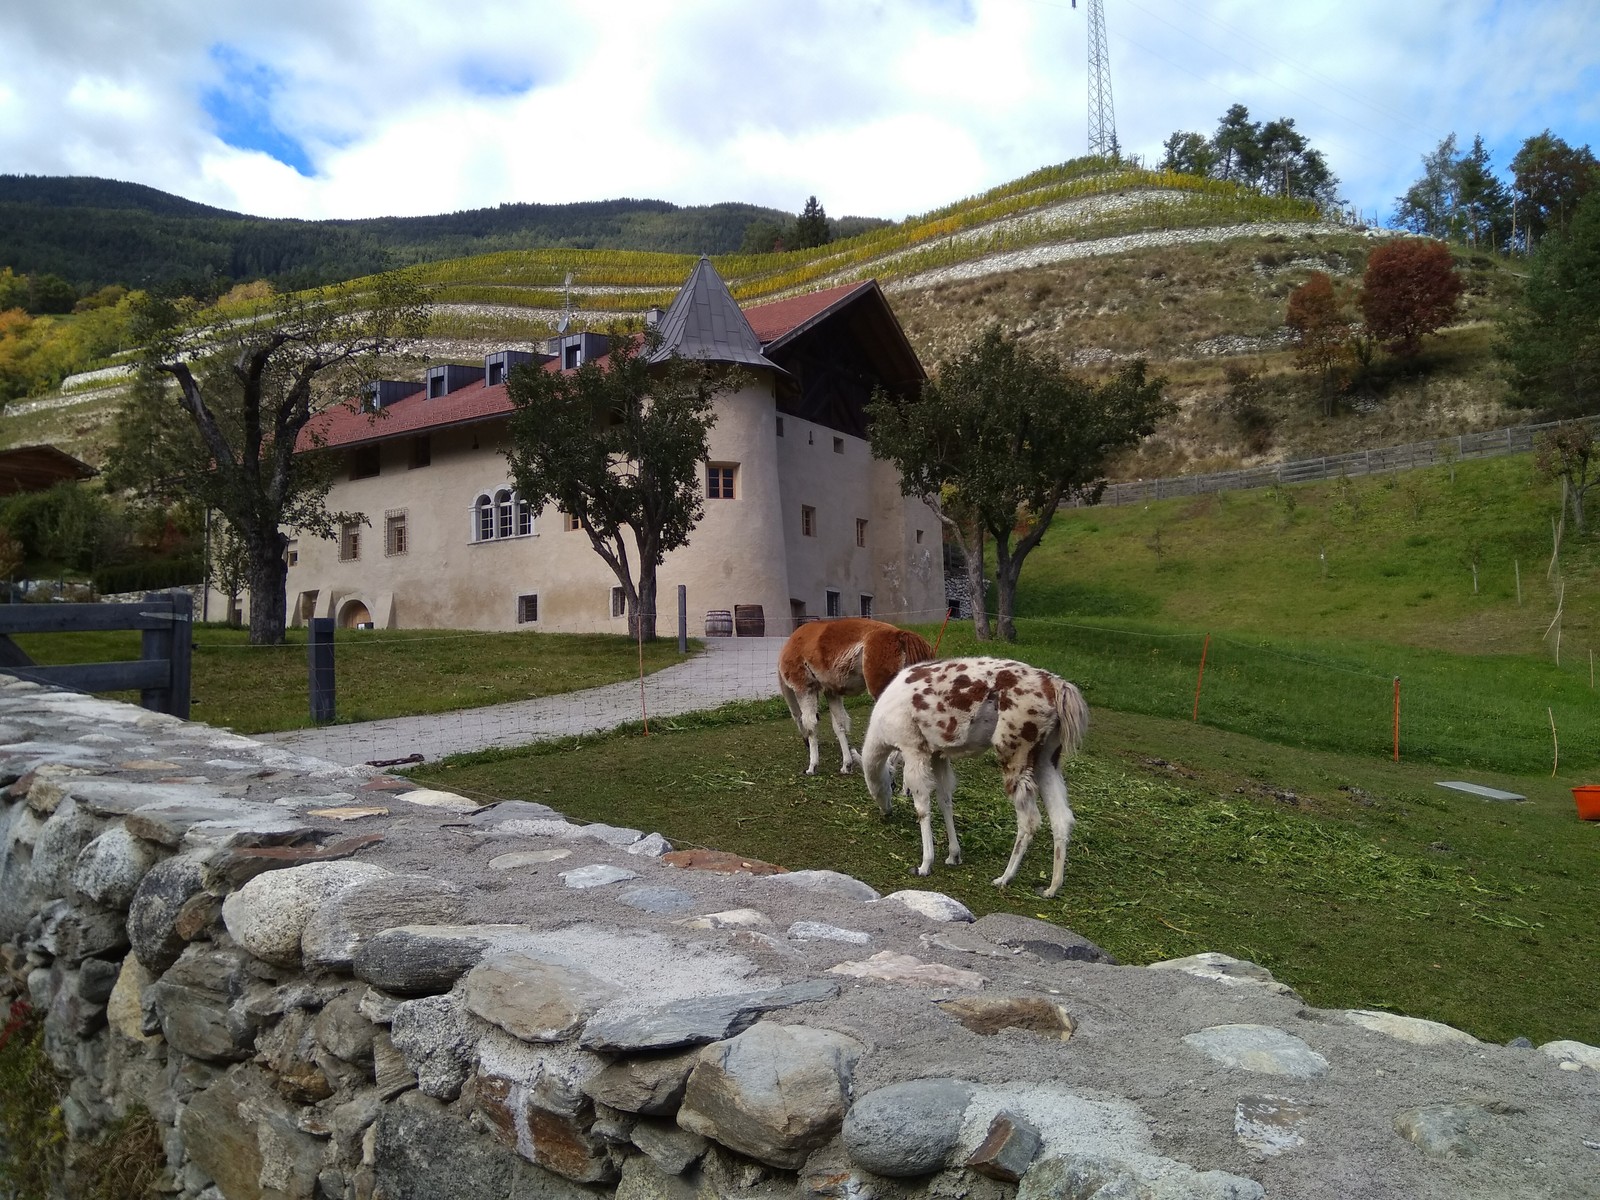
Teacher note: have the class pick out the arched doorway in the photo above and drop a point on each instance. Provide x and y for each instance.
(354, 615)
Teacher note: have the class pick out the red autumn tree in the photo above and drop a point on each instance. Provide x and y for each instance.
(1410, 290)
(1321, 330)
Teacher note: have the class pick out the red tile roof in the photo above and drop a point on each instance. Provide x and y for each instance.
(416, 414)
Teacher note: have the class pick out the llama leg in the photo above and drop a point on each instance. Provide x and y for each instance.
(841, 727)
(946, 777)
(1020, 787)
(920, 778)
(1053, 792)
(808, 727)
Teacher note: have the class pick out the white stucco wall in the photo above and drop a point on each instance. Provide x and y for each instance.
(745, 551)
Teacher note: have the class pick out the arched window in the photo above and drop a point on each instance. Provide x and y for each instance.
(483, 518)
(503, 506)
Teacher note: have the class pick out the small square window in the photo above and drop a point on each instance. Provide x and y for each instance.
(919, 537)
(570, 523)
(719, 481)
(838, 445)
(421, 452)
(527, 609)
(831, 605)
(291, 554)
(808, 521)
(866, 606)
(394, 534)
(861, 531)
(349, 541)
(364, 462)
(619, 602)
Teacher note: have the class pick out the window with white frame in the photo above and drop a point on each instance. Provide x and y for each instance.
(527, 609)
(349, 541)
(571, 523)
(619, 602)
(501, 514)
(831, 605)
(395, 540)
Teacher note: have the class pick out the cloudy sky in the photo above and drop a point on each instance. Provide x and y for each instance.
(354, 108)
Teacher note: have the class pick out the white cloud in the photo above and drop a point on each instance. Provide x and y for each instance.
(882, 107)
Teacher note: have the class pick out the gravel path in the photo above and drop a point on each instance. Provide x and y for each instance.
(728, 669)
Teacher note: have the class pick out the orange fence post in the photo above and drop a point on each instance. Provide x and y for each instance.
(1397, 718)
(1202, 676)
(940, 638)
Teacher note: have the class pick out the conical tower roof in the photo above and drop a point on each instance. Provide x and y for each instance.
(703, 322)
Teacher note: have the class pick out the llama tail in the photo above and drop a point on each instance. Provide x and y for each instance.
(792, 699)
(1073, 710)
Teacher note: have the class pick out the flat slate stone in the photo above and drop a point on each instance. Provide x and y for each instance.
(534, 999)
(1270, 1125)
(596, 875)
(696, 1021)
(509, 810)
(422, 960)
(168, 823)
(1410, 1029)
(119, 797)
(337, 929)
(662, 901)
(817, 931)
(1047, 942)
(1259, 1048)
(527, 858)
(1008, 1148)
(830, 883)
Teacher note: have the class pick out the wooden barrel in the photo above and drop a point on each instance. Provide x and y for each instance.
(719, 623)
(749, 620)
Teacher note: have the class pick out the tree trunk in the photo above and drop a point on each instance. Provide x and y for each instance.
(268, 584)
(642, 621)
(1006, 569)
(972, 548)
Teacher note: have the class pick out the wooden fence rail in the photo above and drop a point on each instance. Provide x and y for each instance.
(1489, 444)
(161, 673)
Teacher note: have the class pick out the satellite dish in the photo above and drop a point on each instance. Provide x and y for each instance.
(561, 326)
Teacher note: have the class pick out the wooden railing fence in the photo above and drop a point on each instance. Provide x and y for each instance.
(1489, 444)
(160, 674)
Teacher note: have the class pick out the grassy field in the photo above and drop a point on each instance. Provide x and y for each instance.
(378, 673)
(1356, 880)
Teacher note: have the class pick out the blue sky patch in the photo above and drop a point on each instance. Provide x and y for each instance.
(240, 108)
(482, 77)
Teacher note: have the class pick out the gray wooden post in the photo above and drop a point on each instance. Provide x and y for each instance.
(169, 643)
(319, 657)
(683, 619)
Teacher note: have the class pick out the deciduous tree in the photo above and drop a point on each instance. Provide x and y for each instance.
(1410, 289)
(1568, 453)
(1321, 332)
(1551, 337)
(1551, 180)
(999, 437)
(250, 389)
(618, 446)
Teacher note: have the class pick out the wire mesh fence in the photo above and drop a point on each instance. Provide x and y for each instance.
(1508, 713)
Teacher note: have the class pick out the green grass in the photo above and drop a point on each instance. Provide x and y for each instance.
(33, 1135)
(378, 673)
(1355, 880)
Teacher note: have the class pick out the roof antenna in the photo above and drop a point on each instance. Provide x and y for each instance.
(566, 312)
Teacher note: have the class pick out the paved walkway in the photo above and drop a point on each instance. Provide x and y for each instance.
(728, 669)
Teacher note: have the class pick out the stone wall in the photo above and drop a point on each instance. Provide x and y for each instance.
(325, 982)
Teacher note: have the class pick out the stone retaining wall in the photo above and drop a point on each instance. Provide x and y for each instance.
(324, 982)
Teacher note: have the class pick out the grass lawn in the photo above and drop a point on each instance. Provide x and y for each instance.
(378, 672)
(1354, 879)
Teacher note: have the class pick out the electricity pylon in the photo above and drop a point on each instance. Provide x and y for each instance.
(1102, 119)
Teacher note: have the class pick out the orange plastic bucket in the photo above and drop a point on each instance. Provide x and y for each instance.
(1587, 797)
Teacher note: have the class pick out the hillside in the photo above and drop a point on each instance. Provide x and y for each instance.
(1091, 261)
(97, 231)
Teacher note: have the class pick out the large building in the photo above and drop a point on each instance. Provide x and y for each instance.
(800, 519)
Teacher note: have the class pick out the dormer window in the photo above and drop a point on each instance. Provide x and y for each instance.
(570, 357)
